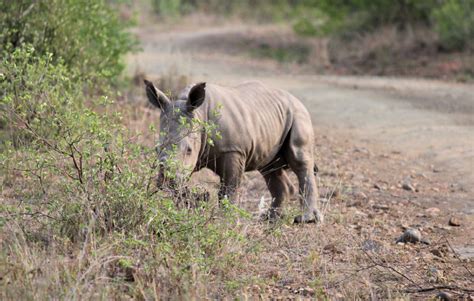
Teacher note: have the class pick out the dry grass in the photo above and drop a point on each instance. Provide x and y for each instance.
(353, 255)
(412, 52)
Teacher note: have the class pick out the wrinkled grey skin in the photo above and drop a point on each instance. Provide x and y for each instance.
(262, 129)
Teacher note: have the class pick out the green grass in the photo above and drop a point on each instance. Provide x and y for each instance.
(283, 54)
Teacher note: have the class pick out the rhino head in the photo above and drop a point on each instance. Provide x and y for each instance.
(180, 139)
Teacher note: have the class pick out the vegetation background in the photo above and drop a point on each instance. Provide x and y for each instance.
(80, 217)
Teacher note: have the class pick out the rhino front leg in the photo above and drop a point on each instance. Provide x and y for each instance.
(230, 167)
(280, 188)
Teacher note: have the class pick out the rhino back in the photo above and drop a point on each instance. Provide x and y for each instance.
(254, 120)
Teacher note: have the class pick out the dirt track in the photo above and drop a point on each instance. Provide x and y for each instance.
(430, 123)
(372, 136)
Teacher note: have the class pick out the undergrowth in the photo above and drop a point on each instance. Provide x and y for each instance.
(80, 215)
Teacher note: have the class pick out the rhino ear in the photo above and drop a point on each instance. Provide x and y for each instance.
(155, 96)
(196, 96)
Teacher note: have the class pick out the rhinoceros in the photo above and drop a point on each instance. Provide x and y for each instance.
(261, 128)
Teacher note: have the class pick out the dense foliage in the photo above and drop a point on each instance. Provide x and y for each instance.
(453, 20)
(76, 185)
(87, 36)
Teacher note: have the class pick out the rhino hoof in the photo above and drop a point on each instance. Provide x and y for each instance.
(270, 216)
(314, 217)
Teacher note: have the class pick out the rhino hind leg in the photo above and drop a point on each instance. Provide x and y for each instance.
(299, 155)
(280, 188)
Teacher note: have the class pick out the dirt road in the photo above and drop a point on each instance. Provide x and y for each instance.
(430, 123)
(393, 154)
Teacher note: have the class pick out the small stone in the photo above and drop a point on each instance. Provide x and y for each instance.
(306, 291)
(381, 207)
(377, 186)
(454, 221)
(408, 187)
(444, 296)
(410, 235)
(433, 211)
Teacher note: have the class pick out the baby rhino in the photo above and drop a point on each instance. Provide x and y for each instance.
(261, 128)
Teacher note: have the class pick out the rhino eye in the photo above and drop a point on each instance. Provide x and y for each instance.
(188, 150)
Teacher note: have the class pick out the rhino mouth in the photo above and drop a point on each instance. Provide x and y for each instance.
(165, 183)
(182, 195)
(174, 182)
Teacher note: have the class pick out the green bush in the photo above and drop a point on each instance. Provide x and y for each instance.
(85, 35)
(454, 23)
(171, 8)
(453, 20)
(261, 10)
(322, 17)
(73, 176)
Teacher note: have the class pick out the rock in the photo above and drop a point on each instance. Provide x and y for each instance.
(433, 211)
(454, 221)
(444, 296)
(306, 291)
(381, 207)
(377, 186)
(407, 186)
(412, 236)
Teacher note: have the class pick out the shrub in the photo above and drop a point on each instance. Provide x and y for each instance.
(324, 17)
(85, 35)
(262, 10)
(72, 176)
(454, 23)
(168, 7)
